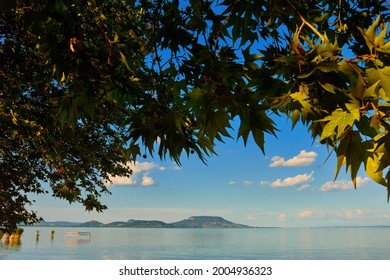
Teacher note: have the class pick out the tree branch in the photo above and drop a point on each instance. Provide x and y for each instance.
(304, 21)
(223, 25)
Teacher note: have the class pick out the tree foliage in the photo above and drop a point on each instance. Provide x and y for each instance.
(89, 85)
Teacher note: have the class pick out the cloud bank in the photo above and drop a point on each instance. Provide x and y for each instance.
(140, 175)
(304, 158)
(292, 181)
(343, 185)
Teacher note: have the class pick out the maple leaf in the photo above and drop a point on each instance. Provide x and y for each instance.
(338, 122)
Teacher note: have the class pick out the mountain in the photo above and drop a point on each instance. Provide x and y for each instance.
(191, 222)
(146, 224)
(116, 224)
(92, 223)
(206, 222)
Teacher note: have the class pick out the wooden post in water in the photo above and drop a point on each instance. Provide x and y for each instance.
(6, 238)
(52, 235)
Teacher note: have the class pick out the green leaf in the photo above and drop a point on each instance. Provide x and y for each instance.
(258, 136)
(257, 122)
(375, 123)
(124, 60)
(295, 116)
(134, 151)
(244, 129)
(371, 31)
(381, 77)
(369, 35)
(338, 122)
(372, 91)
(347, 70)
(380, 40)
(384, 161)
(354, 108)
(328, 87)
(355, 154)
(327, 66)
(216, 124)
(350, 151)
(372, 166)
(367, 126)
(116, 38)
(358, 87)
(341, 151)
(195, 99)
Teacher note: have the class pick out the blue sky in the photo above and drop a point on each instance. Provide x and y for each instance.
(291, 186)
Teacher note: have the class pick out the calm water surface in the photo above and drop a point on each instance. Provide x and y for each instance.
(190, 244)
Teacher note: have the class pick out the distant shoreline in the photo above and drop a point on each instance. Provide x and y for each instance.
(191, 222)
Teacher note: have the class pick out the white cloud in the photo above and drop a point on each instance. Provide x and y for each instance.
(140, 175)
(303, 187)
(302, 159)
(305, 213)
(282, 216)
(122, 181)
(245, 183)
(264, 183)
(359, 212)
(351, 214)
(343, 184)
(139, 167)
(147, 181)
(292, 181)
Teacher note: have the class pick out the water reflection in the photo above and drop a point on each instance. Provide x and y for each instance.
(273, 243)
(11, 243)
(77, 241)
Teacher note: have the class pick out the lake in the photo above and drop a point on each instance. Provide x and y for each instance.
(325, 243)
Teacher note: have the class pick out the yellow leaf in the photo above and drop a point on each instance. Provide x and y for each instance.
(124, 60)
(337, 123)
(354, 108)
(372, 92)
(372, 166)
(371, 31)
(328, 87)
(102, 16)
(380, 40)
(14, 115)
(63, 78)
